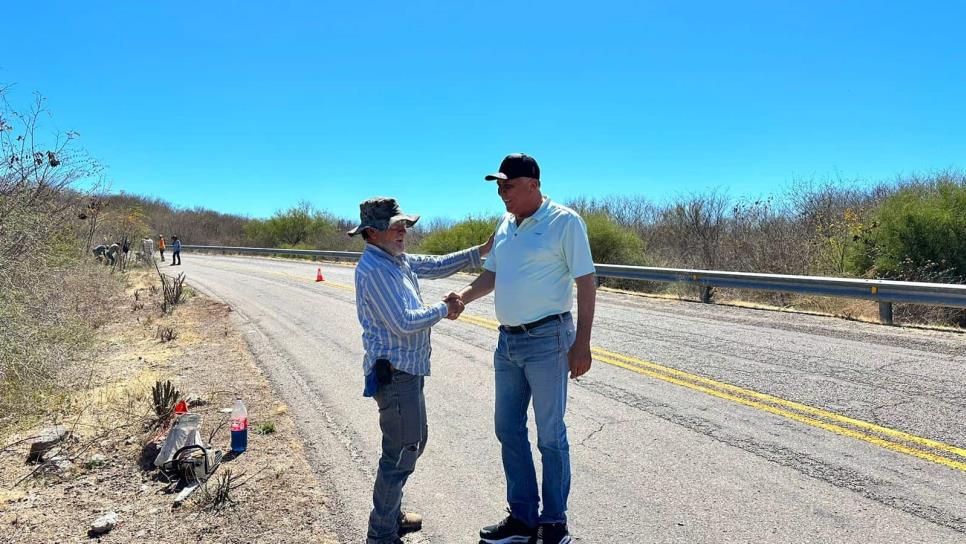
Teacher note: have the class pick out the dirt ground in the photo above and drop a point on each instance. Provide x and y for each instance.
(279, 498)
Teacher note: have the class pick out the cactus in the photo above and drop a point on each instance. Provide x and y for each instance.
(165, 399)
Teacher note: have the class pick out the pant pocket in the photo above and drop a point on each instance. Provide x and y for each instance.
(412, 414)
(408, 456)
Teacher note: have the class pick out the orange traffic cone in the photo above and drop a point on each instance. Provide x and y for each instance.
(318, 275)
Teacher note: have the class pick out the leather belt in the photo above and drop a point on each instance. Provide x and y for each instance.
(515, 329)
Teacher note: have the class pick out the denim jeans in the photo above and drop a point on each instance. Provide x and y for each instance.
(533, 365)
(402, 418)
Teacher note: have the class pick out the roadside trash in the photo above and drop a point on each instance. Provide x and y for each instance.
(184, 459)
(194, 463)
(181, 408)
(184, 432)
(239, 426)
(192, 466)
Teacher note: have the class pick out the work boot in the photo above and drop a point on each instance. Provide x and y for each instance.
(409, 522)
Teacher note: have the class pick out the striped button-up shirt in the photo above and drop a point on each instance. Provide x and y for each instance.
(395, 323)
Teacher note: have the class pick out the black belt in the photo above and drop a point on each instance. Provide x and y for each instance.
(514, 329)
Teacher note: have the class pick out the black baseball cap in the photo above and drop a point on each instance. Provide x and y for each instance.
(516, 165)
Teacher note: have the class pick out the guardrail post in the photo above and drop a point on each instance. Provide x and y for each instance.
(885, 312)
(707, 294)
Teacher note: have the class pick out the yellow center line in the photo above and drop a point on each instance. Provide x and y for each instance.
(961, 452)
(762, 401)
(732, 392)
(872, 439)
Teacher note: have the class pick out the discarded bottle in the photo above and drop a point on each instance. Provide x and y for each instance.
(239, 426)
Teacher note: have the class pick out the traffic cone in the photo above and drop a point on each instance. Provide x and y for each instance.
(318, 275)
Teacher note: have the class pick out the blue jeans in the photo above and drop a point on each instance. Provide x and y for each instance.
(402, 418)
(533, 365)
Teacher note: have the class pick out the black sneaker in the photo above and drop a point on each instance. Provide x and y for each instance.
(552, 533)
(507, 531)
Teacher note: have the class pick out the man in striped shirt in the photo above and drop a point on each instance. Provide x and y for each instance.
(396, 338)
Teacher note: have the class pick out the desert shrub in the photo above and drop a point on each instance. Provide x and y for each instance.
(469, 232)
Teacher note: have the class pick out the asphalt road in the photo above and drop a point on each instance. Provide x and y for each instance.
(697, 423)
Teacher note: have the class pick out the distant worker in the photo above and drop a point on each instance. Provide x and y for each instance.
(161, 246)
(176, 255)
(99, 252)
(111, 253)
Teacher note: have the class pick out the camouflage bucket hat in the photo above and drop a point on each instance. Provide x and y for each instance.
(379, 213)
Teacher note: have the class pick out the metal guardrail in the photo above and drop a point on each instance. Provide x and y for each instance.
(885, 292)
(342, 255)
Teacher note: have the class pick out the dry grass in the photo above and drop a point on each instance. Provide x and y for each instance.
(47, 334)
(272, 491)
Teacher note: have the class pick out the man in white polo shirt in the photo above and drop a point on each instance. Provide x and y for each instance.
(540, 250)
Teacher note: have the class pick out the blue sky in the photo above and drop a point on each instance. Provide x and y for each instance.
(249, 107)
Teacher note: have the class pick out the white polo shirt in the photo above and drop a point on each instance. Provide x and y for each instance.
(536, 263)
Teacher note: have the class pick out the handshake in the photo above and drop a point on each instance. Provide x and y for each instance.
(454, 305)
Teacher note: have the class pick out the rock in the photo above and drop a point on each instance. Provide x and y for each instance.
(103, 524)
(195, 400)
(51, 454)
(48, 438)
(140, 534)
(98, 459)
(62, 463)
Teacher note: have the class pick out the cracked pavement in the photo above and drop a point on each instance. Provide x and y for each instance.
(652, 461)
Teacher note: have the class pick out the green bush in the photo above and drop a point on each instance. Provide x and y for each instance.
(469, 232)
(609, 242)
(920, 234)
(297, 227)
(612, 244)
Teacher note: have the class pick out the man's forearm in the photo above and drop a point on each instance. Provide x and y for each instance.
(586, 304)
(481, 286)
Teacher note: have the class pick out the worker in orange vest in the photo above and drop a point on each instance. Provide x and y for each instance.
(161, 246)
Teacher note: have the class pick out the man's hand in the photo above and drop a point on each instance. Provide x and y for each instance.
(579, 358)
(454, 306)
